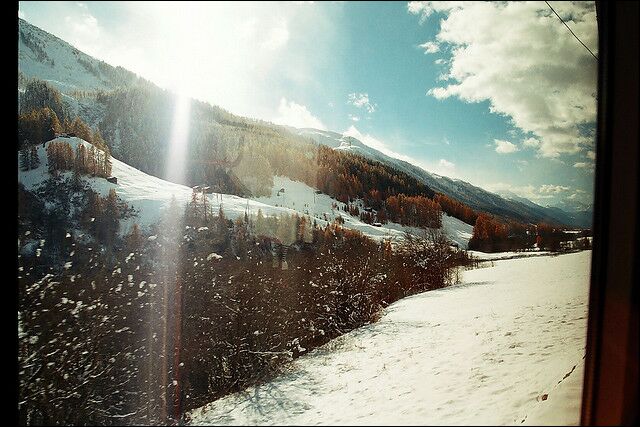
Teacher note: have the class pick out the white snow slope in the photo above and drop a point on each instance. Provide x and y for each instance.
(301, 197)
(49, 58)
(482, 352)
(150, 196)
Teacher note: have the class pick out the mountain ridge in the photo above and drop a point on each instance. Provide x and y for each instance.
(474, 196)
(41, 55)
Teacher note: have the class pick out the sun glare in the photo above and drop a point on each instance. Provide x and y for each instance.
(175, 162)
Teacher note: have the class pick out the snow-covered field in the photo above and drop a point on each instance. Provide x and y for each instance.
(495, 256)
(485, 351)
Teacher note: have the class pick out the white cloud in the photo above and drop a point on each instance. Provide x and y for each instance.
(361, 100)
(591, 155)
(277, 37)
(531, 142)
(541, 194)
(527, 191)
(504, 147)
(21, 14)
(85, 31)
(443, 167)
(550, 188)
(520, 58)
(584, 165)
(430, 47)
(446, 164)
(296, 115)
(439, 61)
(354, 118)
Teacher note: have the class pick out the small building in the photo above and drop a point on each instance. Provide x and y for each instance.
(113, 180)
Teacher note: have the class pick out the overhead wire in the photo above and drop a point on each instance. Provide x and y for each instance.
(570, 30)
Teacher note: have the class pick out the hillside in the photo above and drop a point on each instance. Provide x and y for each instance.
(516, 208)
(150, 196)
(504, 347)
(49, 58)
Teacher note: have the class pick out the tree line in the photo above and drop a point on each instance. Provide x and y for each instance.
(491, 234)
(83, 161)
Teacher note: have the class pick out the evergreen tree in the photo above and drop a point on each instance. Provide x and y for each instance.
(111, 221)
(25, 160)
(81, 130)
(107, 165)
(92, 162)
(55, 126)
(134, 239)
(66, 125)
(34, 158)
(99, 142)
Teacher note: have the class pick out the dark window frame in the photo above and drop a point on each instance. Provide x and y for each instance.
(610, 392)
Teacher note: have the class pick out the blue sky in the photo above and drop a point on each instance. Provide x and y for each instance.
(499, 95)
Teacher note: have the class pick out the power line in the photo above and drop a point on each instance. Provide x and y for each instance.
(574, 35)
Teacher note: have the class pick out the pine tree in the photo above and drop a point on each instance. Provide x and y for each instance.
(92, 162)
(81, 130)
(134, 239)
(52, 159)
(99, 142)
(25, 160)
(34, 158)
(67, 126)
(55, 126)
(107, 165)
(111, 221)
(260, 226)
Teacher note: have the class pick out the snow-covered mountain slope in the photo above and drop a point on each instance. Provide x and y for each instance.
(304, 199)
(49, 58)
(484, 352)
(150, 196)
(476, 197)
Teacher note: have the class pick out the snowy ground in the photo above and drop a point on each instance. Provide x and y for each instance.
(482, 352)
(301, 197)
(495, 256)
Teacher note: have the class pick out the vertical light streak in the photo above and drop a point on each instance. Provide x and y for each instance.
(169, 263)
